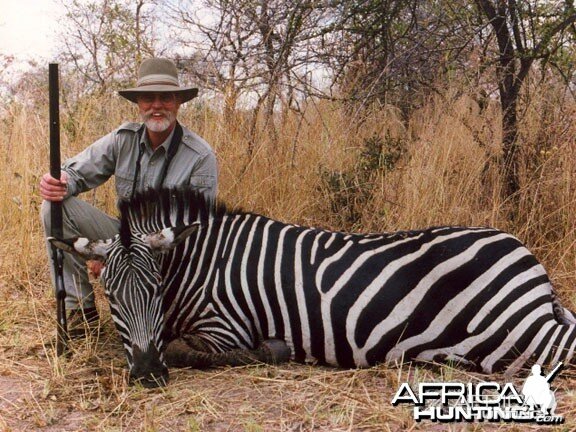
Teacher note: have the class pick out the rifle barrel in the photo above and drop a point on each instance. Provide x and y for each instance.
(56, 209)
(554, 372)
(54, 100)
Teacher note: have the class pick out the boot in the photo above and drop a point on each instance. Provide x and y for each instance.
(82, 322)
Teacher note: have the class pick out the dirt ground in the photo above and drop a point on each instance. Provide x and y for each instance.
(87, 391)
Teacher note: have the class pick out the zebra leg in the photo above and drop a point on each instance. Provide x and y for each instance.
(184, 352)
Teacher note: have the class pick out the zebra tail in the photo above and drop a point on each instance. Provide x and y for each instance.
(563, 315)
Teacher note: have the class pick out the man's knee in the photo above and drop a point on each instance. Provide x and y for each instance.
(45, 216)
(80, 218)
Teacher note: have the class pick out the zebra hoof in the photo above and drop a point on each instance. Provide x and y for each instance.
(177, 353)
(275, 351)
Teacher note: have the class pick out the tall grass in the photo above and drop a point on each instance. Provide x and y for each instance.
(446, 172)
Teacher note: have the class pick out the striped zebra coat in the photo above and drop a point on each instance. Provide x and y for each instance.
(231, 280)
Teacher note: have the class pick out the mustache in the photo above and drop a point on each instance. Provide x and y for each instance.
(148, 114)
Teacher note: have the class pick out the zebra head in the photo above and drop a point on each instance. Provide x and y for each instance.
(133, 284)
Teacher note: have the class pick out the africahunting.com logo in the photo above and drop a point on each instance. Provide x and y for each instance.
(484, 401)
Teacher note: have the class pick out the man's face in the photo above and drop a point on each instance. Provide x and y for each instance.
(158, 110)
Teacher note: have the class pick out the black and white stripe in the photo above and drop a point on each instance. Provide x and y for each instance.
(132, 286)
(471, 295)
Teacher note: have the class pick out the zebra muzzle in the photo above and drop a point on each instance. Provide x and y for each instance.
(147, 368)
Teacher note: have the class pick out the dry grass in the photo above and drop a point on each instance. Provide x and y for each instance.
(446, 175)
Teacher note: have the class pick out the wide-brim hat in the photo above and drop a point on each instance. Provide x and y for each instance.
(158, 75)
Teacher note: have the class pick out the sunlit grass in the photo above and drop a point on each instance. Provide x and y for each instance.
(447, 175)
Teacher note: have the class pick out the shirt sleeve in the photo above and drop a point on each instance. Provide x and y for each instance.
(204, 177)
(91, 167)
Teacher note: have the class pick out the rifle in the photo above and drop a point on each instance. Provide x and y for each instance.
(554, 372)
(56, 211)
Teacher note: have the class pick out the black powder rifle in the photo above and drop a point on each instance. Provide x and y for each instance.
(56, 211)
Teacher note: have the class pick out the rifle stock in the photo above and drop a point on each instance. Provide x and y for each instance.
(56, 210)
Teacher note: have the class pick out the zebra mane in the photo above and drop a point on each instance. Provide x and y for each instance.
(153, 210)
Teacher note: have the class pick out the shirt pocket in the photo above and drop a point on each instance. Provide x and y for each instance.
(124, 184)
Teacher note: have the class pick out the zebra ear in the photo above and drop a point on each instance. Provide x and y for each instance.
(87, 249)
(169, 238)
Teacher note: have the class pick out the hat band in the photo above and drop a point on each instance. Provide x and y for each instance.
(157, 79)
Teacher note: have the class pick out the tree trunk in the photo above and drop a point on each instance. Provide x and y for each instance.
(510, 164)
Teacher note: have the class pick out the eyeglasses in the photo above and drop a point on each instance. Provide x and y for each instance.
(164, 98)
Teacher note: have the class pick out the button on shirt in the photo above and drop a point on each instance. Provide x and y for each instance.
(152, 163)
(194, 164)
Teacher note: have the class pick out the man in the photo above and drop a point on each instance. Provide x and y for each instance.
(536, 391)
(158, 153)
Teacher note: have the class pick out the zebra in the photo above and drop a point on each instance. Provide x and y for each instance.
(192, 283)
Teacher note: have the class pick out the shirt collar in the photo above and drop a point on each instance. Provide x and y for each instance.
(145, 145)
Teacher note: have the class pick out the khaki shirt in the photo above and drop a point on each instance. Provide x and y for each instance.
(117, 153)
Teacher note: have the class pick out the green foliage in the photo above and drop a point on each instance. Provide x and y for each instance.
(348, 192)
(380, 154)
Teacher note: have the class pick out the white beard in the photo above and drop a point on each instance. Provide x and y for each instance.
(158, 124)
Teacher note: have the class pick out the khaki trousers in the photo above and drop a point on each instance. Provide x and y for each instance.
(79, 219)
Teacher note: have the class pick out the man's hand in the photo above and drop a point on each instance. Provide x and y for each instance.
(95, 267)
(52, 189)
